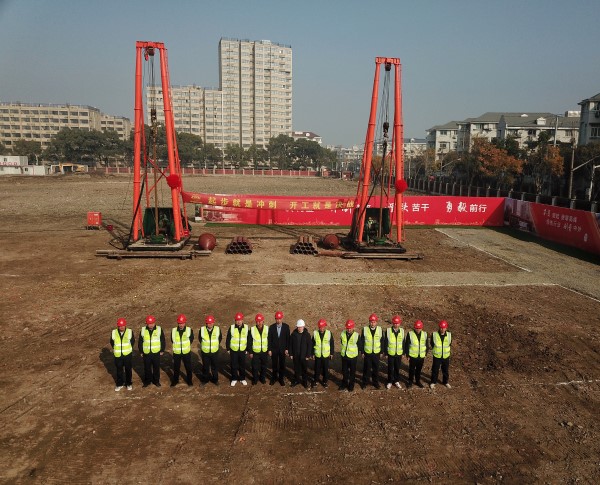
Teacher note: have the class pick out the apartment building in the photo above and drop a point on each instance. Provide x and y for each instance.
(40, 122)
(526, 127)
(252, 104)
(443, 138)
(589, 127)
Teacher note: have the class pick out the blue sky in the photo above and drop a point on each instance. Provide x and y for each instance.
(459, 58)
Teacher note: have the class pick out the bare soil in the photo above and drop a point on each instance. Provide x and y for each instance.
(525, 369)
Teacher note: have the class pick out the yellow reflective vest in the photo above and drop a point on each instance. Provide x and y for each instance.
(322, 345)
(395, 341)
(417, 345)
(181, 344)
(372, 344)
(210, 343)
(122, 346)
(441, 349)
(151, 345)
(349, 345)
(260, 342)
(239, 338)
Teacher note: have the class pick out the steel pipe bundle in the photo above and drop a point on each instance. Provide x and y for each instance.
(239, 245)
(305, 245)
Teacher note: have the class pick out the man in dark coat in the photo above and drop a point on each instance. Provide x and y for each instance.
(300, 351)
(279, 341)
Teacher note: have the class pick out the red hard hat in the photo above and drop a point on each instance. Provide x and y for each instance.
(278, 315)
(349, 324)
(373, 317)
(150, 319)
(181, 318)
(209, 319)
(121, 322)
(259, 317)
(443, 324)
(239, 316)
(396, 319)
(418, 325)
(322, 323)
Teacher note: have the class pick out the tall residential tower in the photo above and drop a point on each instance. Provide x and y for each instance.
(252, 104)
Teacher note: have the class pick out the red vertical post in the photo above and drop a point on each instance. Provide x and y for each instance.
(170, 135)
(398, 149)
(368, 153)
(137, 139)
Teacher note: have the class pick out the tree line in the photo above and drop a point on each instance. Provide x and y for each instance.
(102, 148)
(539, 167)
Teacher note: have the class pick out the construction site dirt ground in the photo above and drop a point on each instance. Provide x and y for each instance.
(525, 371)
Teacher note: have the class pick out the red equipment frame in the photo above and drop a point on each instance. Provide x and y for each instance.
(396, 152)
(174, 169)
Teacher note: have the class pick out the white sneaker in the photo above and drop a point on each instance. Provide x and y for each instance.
(244, 382)
(432, 385)
(129, 388)
(118, 388)
(448, 386)
(397, 384)
(233, 383)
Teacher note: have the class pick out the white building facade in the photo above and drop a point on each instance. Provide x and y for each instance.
(252, 104)
(40, 122)
(589, 128)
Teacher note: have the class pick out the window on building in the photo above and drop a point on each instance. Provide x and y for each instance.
(595, 131)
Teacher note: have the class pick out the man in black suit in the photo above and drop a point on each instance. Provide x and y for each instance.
(279, 342)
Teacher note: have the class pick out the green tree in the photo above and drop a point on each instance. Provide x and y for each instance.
(210, 154)
(30, 149)
(256, 155)
(189, 147)
(3, 149)
(280, 150)
(235, 154)
(544, 162)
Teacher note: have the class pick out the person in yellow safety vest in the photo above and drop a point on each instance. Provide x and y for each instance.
(351, 347)
(323, 349)
(121, 341)
(258, 343)
(440, 349)
(372, 343)
(151, 345)
(209, 338)
(393, 344)
(182, 337)
(415, 347)
(237, 345)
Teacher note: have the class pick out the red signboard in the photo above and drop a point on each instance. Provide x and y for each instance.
(337, 211)
(577, 228)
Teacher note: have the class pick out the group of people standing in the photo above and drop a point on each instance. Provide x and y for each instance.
(276, 342)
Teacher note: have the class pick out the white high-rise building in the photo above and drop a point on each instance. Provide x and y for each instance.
(252, 104)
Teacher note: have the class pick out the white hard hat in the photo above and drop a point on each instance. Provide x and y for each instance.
(300, 323)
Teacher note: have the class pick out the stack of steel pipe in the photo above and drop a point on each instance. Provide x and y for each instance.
(305, 245)
(239, 245)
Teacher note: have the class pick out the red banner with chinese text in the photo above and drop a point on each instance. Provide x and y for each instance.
(576, 228)
(337, 211)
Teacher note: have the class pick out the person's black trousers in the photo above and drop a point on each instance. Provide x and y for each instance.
(152, 368)
(187, 363)
(415, 365)
(348, 372)
(435, 370)
(278, 365)
(123, 365)
(210, 368)
(394, 368)
(238, 365)
(371, 366)
(322, 367)
(259, 366)
(300, 371)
